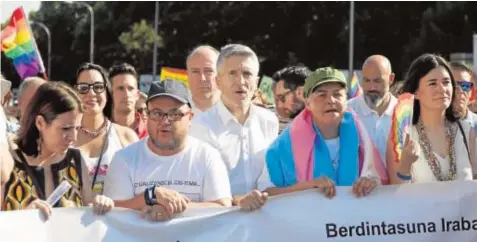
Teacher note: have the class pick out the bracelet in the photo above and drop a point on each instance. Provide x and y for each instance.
(403, 177)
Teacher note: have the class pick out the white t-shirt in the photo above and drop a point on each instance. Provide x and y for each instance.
(333, 149)
(197, 172)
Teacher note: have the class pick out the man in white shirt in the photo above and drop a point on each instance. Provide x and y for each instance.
(240, 130)
(463, 77)
(169, 170)
(201, 70)
(376, 105)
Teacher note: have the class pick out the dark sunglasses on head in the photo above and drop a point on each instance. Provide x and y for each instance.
(465, 86)
(83, 88)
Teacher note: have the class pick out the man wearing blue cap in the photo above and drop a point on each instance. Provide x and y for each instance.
(168, 171)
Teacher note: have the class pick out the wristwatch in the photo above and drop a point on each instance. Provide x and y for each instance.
(150, 196)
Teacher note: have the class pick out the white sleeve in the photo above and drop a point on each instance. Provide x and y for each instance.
(263, 180)
(216, 180)
(118, 184)
(3, 128)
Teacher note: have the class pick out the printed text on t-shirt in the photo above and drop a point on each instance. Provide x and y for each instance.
(166, 183)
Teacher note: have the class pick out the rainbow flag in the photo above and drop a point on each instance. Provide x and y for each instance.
(354, 87)
(175, 74)
(19, 45)
(401, 123)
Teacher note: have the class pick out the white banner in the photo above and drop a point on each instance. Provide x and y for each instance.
(444, 211)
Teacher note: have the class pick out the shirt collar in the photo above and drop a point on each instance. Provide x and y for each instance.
(469, 116)
(226, 116)
(368, 111)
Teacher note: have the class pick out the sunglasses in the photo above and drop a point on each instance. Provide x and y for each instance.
(98, 87)
(466, 86)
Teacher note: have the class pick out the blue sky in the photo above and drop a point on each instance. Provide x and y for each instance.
(7, 7)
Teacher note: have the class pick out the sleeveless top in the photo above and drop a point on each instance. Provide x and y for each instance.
(422, 172)
(113, 144)
(21, 189)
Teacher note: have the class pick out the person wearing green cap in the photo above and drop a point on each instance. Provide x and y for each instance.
(325, 145)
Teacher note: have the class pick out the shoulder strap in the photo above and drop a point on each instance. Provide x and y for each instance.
(105, 143)
(465, 139)
(36, 184)
(78, 165)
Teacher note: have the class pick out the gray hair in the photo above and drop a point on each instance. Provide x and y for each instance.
(237, 50)
(201, 48)
(28, 82)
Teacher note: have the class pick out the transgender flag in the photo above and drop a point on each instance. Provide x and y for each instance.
(19, 45)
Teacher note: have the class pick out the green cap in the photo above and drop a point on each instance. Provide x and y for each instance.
(322, 76)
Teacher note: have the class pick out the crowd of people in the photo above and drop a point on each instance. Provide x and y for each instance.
(215, 144)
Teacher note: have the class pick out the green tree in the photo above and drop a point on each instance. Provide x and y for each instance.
(138, 43)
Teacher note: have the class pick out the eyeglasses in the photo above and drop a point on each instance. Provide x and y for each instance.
(98, 87)
(465, 86)
(157, 115)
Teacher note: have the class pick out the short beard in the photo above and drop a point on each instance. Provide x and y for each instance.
(171, 145)
(373, 99)
(298, 110)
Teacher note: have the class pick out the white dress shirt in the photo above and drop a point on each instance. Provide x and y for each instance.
(242, 147)
(471, 119)
(377, 127)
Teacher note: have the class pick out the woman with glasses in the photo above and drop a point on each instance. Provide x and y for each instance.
(438, 147)
(44, 159)
(98, 137)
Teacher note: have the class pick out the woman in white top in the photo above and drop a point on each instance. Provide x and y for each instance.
(438, 147)
(98, 138)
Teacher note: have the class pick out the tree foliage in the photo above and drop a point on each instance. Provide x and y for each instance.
(282, 33)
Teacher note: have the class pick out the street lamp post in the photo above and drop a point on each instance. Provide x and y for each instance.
(91, 13)
(48, 35)
(156, 28)
(351, 39)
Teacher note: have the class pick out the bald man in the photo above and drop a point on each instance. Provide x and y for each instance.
(26, 91)
(375, 106)
(201, 69)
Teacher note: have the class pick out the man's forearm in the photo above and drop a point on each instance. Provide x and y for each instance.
(136, 203)
(217, 203)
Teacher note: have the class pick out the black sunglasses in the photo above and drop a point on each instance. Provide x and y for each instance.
(98, 87)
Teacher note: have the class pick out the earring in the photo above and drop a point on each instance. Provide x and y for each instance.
(38, 146)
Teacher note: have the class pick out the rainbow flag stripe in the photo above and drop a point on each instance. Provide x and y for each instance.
(19, 45)
(401, 122)
(175, 74)
(354, 87)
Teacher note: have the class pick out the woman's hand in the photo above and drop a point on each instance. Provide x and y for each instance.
(43, 206)
(364, 186)
(253, 201)
(102, 204)
(325, 185)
